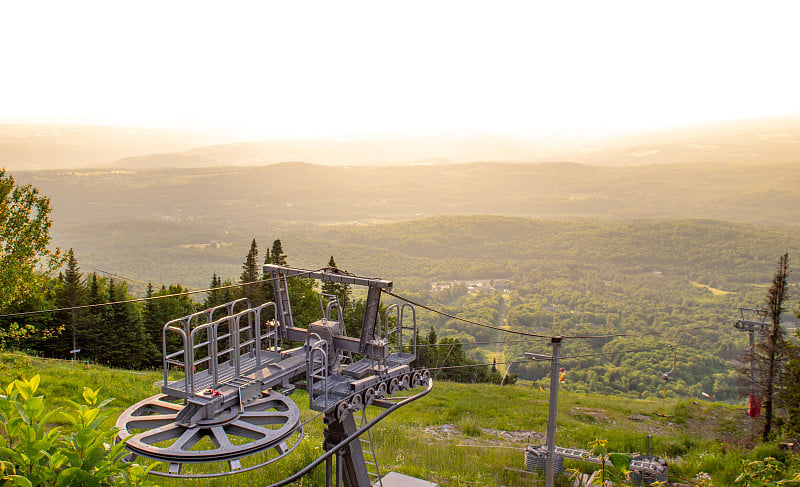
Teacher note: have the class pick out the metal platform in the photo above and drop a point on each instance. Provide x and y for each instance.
(394, 479)
(226, 371)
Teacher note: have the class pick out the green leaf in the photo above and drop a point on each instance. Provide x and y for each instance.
(34, 383)
(90, 396)
(105, 403)
(21, 411)
(84, 437)
(622, 461)
(66, 476)
(18, 480)
(57, 459)
(34, 406)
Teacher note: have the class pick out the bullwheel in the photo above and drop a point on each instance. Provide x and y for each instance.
(270, 425)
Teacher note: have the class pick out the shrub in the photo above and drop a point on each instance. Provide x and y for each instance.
(32, 453)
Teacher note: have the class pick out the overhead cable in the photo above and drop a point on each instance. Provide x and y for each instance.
(139, 300)
(516, 332)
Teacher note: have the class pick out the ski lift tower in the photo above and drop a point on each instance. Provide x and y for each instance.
(228, 372)
(752, 320)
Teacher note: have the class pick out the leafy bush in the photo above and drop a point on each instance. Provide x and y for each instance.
(32, 453)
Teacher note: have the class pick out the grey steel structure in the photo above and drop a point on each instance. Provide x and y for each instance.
(228, 371)
(752, 320)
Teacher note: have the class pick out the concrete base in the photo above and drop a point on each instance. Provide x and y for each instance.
(394, 479)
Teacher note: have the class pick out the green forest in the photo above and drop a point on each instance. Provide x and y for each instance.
(634, 300)
(551, 277)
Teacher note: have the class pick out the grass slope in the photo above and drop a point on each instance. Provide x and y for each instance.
(489, 426)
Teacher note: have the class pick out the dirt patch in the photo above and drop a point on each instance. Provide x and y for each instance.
(517, 436)
(442, 432)
(597, 415)
(447, 431)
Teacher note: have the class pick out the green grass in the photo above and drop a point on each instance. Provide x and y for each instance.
(698, 436)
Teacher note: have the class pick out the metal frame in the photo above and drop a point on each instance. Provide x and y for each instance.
(232, 362)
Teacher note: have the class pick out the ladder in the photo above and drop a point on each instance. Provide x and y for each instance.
(284, 305)
(371, 461)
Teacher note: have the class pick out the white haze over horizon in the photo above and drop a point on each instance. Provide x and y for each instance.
(266, 70)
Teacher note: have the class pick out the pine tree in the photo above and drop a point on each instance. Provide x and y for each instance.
(94, 336)
(127, 343)
(276, 255)
(773, 349)
(158, 312)
(267, 292)
(250, 275)
(339, 289)
(71, 294)
(215, 296)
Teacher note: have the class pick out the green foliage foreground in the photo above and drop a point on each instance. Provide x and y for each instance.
(33, 453)
(454, 436)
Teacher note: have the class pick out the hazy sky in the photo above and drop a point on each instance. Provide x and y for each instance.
(276, 69)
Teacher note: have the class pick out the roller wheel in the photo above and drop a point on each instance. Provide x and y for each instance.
(356, 403)
(342, 411)
(405, 382)
(394, 385)
(369, 396)
(381, 391)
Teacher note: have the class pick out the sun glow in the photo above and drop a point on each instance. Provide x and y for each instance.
(269, 69)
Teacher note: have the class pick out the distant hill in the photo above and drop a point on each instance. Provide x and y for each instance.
(775, 139)
(758, 192)
(372, 151)
(770, 139)
(34, 147)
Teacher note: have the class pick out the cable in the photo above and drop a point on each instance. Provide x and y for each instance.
(484, 325)
(476, 365)
(151, 298)
(529, 340)
(464, 319)
(649, 333)
(565, 357)
(111, 274)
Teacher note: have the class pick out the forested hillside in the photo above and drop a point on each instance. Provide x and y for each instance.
(542, 276)
(417, 253)
(755, 192)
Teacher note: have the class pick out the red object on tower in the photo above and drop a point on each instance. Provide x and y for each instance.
(755, 406)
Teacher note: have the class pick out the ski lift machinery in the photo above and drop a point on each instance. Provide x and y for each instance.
(224, 399)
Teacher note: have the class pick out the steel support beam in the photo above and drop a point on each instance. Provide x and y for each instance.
(351, 469)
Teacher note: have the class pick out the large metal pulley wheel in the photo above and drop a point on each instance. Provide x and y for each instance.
(150, 430)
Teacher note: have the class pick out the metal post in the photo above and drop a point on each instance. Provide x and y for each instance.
(752, 362)
(552, 411)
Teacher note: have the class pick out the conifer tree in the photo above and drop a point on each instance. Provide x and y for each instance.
(215, 295)
(158, 312)
(276, 255)
(93, 336)
(250, 275)
(339, 289)
(72, 294)
(773, 349)
(267, 293)
(127, 344)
